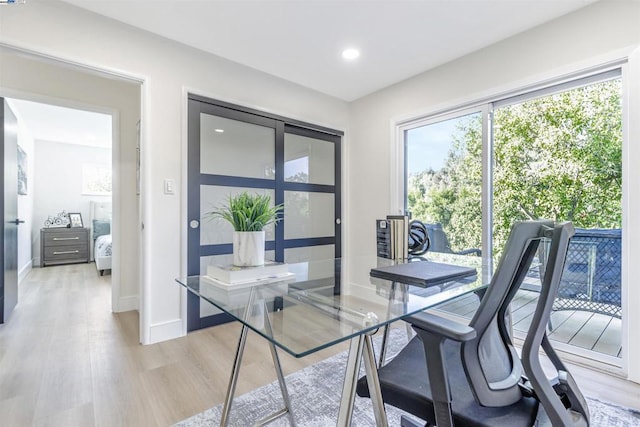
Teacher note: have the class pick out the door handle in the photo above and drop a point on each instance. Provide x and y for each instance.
(16, 222)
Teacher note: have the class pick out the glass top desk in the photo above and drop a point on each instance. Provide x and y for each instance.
(304, 314)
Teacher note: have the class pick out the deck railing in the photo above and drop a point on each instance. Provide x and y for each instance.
(591, 280)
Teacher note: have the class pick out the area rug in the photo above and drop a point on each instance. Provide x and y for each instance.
(315, 398)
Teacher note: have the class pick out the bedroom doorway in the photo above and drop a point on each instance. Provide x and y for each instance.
(44, 79)
(67, 174)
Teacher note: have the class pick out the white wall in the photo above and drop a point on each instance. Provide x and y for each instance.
(603, 31)
(57, 183)
(169, 71)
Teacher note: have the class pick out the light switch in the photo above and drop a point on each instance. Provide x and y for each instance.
(169, 186)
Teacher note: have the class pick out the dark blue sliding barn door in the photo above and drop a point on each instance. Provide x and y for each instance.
(234, 149)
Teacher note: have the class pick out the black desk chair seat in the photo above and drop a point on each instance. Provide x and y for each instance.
(471, 375)
(405, 388)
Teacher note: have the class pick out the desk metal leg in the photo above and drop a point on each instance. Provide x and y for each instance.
(383, 347)
(395, 287)
(278, 369)
(374, 382)
(350, 382)
(231, 389)
(361, 347)
(224, 419)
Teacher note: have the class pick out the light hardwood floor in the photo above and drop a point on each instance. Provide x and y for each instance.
(66, 360)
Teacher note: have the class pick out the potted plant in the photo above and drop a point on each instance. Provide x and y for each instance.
(248, 214)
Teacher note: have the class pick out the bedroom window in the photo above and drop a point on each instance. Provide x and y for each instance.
(96, 180)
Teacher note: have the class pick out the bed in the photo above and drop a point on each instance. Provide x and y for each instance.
(101, 235)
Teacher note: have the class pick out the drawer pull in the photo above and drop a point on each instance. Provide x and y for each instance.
(65, 252)
(66, 238)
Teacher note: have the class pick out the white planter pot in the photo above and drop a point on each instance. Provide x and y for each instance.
(248, 248)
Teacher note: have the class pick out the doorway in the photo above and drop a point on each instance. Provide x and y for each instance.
(67, 156)
(56, 82)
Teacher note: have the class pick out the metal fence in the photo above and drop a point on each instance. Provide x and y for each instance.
(591, 280)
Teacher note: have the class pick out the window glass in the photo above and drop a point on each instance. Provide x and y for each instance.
(96, 179)
(444, 180)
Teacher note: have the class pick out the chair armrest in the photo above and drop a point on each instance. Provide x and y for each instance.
(474, 251)
(441, 326)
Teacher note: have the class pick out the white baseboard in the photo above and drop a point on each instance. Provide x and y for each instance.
(129, 303)
(24, 271)
(165, 331)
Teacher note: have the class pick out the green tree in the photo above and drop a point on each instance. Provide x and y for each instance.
(560, 157)
(557, 157)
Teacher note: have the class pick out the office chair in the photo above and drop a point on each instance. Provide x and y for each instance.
(472, 375)
(439, 242)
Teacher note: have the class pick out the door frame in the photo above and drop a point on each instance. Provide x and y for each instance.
(144, 287)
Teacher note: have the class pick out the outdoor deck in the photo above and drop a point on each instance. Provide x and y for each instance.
(596, 332)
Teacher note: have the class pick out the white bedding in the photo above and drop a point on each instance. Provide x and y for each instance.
(101, 232)
(102, 253)
(103, 246)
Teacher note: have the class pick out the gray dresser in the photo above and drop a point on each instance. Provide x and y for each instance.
(63, 246)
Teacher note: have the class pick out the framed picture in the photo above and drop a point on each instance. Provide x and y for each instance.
(22, 171)
(75, 220)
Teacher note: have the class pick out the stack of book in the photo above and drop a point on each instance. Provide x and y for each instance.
(232, 275)
(392, 237)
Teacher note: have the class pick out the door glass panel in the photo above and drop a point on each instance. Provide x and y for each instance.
(234, 148)
(309, 253)
(444, 181)
(321, 264)
(308, 160)
(218, 231)
(560, 157)
(308, 215)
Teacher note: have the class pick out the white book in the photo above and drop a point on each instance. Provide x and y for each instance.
(232, 274)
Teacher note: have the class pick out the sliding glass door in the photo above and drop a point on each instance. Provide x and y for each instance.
(231, 150)
(553, 153)
(558, 155)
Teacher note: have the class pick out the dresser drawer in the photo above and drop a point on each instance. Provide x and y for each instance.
(56, 254)
(64, 246)
(71, 237)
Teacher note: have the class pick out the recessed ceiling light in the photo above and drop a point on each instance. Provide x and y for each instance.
(219, 130)
(350, 53)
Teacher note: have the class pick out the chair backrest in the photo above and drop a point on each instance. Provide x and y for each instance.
(572, 409)
(491, 362)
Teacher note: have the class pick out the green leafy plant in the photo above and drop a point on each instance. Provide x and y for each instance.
(248, 212)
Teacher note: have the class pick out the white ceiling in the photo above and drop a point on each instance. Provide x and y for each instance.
(301, 40)
(60, 124)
